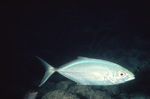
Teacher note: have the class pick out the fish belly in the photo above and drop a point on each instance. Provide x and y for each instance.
(87, 76)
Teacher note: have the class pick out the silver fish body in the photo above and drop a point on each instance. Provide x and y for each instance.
(89, 71)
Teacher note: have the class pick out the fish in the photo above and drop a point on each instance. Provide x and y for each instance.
(89, 71)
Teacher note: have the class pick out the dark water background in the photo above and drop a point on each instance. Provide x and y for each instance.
(59, 31)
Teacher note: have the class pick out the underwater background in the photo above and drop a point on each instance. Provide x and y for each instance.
(61, 30)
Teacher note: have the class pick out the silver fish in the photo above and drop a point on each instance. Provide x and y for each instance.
(89, 71)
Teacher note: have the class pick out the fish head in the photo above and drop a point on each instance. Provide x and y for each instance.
(122, 75)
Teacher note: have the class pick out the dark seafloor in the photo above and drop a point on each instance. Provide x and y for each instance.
(60, 30)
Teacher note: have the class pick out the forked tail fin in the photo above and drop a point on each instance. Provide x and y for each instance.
(49, 70)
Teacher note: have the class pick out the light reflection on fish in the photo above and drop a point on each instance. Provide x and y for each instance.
(89, 71)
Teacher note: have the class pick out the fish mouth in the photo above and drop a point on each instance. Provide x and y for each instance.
(131, 78)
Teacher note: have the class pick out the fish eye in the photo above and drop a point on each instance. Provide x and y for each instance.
(121, 74)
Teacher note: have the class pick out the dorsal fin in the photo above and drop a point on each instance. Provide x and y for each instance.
(81, 57)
